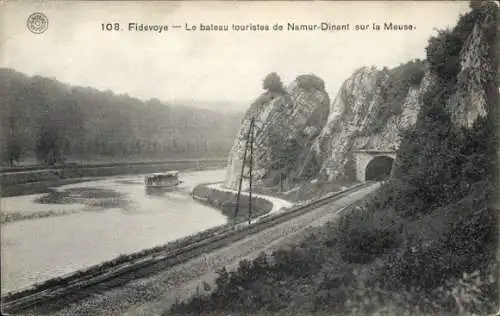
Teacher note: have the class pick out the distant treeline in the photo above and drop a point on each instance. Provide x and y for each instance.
(49, 120)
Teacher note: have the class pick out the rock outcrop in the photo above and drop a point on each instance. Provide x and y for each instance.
(362, 101)
(296, 114)
(365, 115)
(469, 100)
(374, 105)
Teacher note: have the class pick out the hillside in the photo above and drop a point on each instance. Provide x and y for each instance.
(426, 243)
(81, 123)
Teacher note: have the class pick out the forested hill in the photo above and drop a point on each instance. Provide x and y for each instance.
(47, 119)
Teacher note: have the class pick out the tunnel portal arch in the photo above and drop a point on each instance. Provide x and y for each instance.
(373, 164)
(379, 168)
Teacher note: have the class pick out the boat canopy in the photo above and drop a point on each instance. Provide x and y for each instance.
(169, 174)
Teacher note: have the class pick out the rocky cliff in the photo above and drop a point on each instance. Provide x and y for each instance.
(374, 105)
(469, 99)
(286, 121)
(369, 111)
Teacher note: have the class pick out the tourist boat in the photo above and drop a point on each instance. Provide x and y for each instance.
(162, 180)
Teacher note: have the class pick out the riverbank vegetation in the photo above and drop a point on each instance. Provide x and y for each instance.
(226, 203)
(426, 243)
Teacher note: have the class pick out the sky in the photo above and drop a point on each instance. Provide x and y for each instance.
(225, 69)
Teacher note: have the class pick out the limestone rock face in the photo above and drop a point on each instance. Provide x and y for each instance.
(360, 119)
(469, 100)
(361, 103)
(368, 112)
(297, 113)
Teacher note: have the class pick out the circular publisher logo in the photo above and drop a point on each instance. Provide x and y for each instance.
(37, 23)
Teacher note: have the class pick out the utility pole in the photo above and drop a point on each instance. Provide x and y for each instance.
(242, 170)
(252, 124)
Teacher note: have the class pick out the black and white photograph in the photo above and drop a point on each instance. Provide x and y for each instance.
(249, 157)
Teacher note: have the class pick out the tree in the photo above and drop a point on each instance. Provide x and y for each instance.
(14, 151)
(283, 155)
(443, 54)
(48, 146)
(272, 83)
(13, 148)
(476, 4)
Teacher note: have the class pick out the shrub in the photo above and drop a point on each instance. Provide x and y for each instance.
(311, 82)
(444, 49)
(442, 53)
(367, 232)
(464, 239)
(415, 74)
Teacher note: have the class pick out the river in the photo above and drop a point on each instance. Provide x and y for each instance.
(95, 221)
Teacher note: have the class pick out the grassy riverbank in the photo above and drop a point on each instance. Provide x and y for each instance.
(226, 201)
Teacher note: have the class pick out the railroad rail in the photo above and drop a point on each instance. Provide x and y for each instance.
(71, 288)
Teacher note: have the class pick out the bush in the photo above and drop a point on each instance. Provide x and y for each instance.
(416, 78)
(311, 82)
(461, 237)
(443, 55)
(367, 232)
(444, 49)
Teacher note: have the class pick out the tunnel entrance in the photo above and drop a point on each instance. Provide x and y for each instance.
(379, 168)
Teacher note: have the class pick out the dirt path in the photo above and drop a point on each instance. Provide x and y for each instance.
(154, 295)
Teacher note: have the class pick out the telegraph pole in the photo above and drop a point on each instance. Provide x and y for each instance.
(242, 170)
(250, 171)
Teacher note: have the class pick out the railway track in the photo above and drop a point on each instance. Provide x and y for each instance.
(71, 288)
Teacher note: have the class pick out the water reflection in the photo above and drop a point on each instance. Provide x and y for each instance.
(159, 192)
(113, 216)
